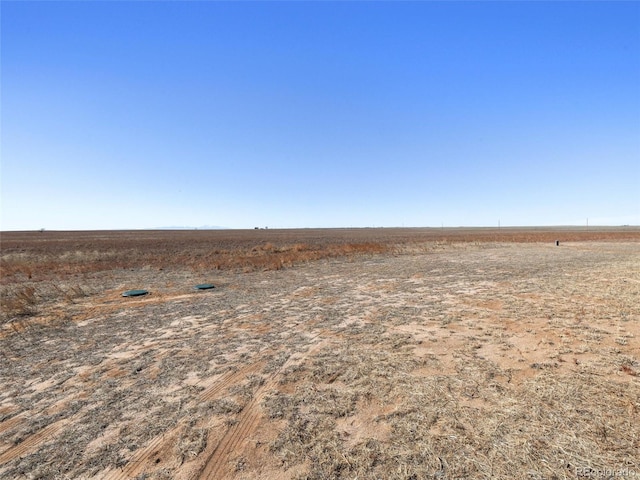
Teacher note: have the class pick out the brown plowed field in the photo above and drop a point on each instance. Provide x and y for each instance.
(321, 354)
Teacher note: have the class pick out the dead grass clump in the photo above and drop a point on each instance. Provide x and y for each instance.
(70, 292)
(265, 249)
(275, 362)
(310, 438)
(278, 405)
(360, 248)
(191, 443)
(225, 406)
(19, 301)
(331, 401)
(26, 300)
(246, 390)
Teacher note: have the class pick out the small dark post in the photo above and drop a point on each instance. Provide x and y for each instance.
(557, 243)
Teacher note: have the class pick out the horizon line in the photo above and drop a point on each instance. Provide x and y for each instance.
(442, 227)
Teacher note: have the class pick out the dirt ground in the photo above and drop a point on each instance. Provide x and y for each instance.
(459, 360)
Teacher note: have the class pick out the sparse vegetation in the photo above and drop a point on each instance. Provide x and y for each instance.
(397, 358)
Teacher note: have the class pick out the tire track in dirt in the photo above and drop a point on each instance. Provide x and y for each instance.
(11, 422)
(248, 421)
(8, 425)
(149, 456)
(143, 458)
(32, 442)
(228, 380)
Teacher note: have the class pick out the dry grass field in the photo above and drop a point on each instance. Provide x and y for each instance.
(321, 354)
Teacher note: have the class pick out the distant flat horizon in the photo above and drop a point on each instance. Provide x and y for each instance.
(459, 227)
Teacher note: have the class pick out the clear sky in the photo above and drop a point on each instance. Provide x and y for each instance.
(319, 114)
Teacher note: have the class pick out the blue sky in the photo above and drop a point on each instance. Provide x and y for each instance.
(319, 114)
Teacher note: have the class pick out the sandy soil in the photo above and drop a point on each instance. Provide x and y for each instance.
(467, 361)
